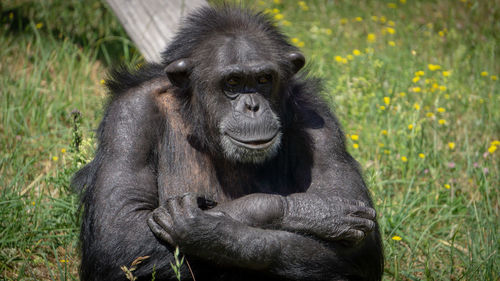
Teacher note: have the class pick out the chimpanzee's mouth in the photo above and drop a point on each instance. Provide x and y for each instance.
(254, 143)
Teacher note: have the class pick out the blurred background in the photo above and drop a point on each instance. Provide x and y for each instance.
(414, 84)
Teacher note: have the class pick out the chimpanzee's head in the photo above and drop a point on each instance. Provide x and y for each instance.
(235, 80)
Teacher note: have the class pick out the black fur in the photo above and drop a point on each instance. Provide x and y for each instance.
(286, 218)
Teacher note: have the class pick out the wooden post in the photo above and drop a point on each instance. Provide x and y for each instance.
(152, 23)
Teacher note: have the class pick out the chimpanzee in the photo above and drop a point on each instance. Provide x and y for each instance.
(227, 152)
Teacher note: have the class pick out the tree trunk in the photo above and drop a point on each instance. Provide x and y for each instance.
(151, 24)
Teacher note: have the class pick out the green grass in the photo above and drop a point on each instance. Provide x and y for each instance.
(444, 206)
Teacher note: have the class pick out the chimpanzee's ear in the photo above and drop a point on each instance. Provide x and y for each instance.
(178, 72)
(297, 59)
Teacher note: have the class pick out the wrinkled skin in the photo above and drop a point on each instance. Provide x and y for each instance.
(224, 151)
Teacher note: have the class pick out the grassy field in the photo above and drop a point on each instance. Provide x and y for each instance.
(414, 83)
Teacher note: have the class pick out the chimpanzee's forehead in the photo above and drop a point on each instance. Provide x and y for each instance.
(241, 50)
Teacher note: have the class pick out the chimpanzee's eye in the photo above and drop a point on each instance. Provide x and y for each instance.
(263, 79)
(233, 81)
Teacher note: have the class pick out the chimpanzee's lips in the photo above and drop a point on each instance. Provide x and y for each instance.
(262, 143)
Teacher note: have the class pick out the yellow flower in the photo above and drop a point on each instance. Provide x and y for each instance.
(396, 238)
(416, 106)
(354, 137)
(495, 142)
(374, 18)
(429, 114)
(433, 67)
(286, 23)
(295, 40)
(383, 19)
(442, 121)
(451, 145)
(39, 25)
(494, 77)
(358, 19)
(442, 88)
(447, 186)
(328, 31)
(33, 203)
(275, 11)
(446, 73)
(420, 73)
(392, 5)
(384, 132)
(484, 73)
(63, 150)
(11, 15)
(415, 79)
(301, 44)
(343, 21)
(391, 23)
(62, 261)
(386, 151)
(277, 1)
(441, 33)
(350, 57)
(55, 158)
(421, 155)
(102, 81)
(402, 94)
(441, 109)
(338, 59)
(391, 43)
(404, 159)
(303, 5)
(416, 89)
(382, 107)
(356, 52)
(402, 1)
(387, 100)
(410, 127)
(355, 145)
(371, 37)
(278, 16)
(390, 30)
(344, 60)
(492, 149)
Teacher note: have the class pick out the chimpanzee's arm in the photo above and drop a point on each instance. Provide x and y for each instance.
(121, 191)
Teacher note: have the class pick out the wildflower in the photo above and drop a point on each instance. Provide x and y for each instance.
(447, 186)
(451, 165)
(446, 73)
(415, 79)
(421, 155)
(390, 30)
(391, 23)
(396, 238)
(492, 149)
(441, 109)
(344, 60)
(485, 170)
(442, 88)
(354, 137)
(63, 150)
(429, 114)
(102, 81)
(275, 11)
(448, 97)
(374, 18)
(11, 15)
(33, 203)
(419, 73)
(410, 127)
(371, 37)
(413, 52)
(495, 142)
(383, 19)
(343, 21)
(355, 145)
(441, 33)
(494, 77)
(416, 106)
(402, 1)
(356, 52)
(386, 151)
(384, 132)
(39, 25)
(278, 16)
(381, 144)
(484, 73)
(350, 57)
(328, 31)
(416, 89)
(62, 261)
(404, 159)
(391, 43)
(55, 158)
(392, 5)
(358, 19)
(369, 50)
(382, 107)
(277, 1)
(301, 44)
(338, 59)
(433, 67)
(442, 122)
(451, 145)
(295, 40)
(286, 23)
(402, 94)
(387, 100)
(303, 5)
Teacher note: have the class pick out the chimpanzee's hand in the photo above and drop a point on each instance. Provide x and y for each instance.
(330, 218)
(180, 221)
(257, 210)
